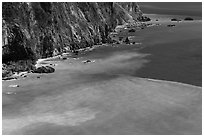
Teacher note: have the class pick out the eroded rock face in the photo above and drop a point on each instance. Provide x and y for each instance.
(41, 28)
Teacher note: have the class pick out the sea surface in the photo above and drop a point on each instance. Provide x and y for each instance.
(169, 53)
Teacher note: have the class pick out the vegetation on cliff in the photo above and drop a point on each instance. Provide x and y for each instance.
(39, 30)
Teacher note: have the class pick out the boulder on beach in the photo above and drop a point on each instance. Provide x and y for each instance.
(44, 69)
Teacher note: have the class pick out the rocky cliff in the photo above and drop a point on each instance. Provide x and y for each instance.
(38, 30)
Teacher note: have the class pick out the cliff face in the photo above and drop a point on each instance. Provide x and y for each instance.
(38, 30)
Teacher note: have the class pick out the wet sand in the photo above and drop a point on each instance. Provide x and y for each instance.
(106, 97)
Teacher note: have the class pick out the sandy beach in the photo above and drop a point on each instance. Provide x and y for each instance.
(117, 92)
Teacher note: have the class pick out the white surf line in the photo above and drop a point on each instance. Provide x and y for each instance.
(173, 82)
(158, 80)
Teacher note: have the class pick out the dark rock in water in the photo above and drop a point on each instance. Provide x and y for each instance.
(76, 52)
(157, 20)
(131, 30)
(64, 58)
(188, 18)
(143, 18)
(87, 61)
(38, 76)
(174, 19)
(127, 41)
(44, 69)
(171, 25)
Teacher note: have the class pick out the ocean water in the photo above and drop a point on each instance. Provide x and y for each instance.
(166, 53)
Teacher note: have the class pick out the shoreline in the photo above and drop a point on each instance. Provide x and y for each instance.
(68, 55)
(48, 61)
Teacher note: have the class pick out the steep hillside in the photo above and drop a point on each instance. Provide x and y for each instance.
(39, 30)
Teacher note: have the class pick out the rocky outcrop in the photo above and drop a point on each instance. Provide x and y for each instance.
(44, 69)
(42, 29)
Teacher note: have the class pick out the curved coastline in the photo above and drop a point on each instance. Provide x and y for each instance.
(54, 103)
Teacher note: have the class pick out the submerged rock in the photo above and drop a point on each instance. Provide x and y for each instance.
(171, 25)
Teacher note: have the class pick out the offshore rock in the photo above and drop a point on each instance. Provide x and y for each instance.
(171, 25)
